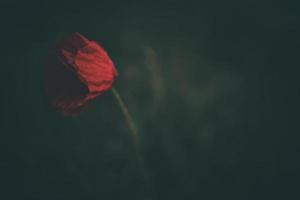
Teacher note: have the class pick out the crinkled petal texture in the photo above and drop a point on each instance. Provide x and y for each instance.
(77, 71)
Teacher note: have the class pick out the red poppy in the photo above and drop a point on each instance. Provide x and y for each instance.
(78, 70)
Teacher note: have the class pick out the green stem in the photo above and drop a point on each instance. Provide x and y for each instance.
(135, 136)
(127, 116)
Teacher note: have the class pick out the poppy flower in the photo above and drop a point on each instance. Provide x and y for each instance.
(77, 71)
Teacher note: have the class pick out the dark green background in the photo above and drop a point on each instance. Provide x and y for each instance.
(212, 85)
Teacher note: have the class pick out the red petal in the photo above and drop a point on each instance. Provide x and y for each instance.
(78, 71)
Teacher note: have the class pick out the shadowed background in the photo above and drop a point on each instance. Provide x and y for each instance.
(213, 87)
